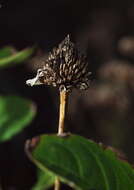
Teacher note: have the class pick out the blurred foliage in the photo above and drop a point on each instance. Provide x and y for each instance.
(6, 52)
(9, 56)
(15, 114)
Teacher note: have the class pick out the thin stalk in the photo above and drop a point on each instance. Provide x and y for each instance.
(57, 184)
(62, 114)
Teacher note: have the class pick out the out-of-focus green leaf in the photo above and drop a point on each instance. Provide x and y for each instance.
(15, 114)
(81, 163)
(6, 52)
(8, 58)
(45, 180)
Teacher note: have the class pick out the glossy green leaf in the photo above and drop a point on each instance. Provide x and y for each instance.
(45, 180)
(81, 163)
(15, 114)
(8, 58)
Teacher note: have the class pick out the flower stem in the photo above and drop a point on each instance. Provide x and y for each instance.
(62, 113)
(57, 184)
(63, 102)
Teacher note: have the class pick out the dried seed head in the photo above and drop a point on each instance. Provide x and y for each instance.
(65, 68)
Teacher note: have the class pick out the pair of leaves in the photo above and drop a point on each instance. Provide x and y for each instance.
(8, 56)
(80, 163)
(15, 114)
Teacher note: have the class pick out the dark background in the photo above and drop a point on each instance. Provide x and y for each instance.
(105, 31)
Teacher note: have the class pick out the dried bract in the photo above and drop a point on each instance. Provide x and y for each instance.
(65, 68)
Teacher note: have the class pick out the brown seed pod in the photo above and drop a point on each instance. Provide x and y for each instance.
(65, 68)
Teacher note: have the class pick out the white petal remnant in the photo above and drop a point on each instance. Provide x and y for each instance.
(32, 82)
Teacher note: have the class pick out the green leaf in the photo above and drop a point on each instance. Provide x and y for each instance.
(6, 51)
(15, 114)
(45, 180)
(81, 163)
(7, 57)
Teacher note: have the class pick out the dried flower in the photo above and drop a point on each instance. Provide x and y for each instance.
(65, 68)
